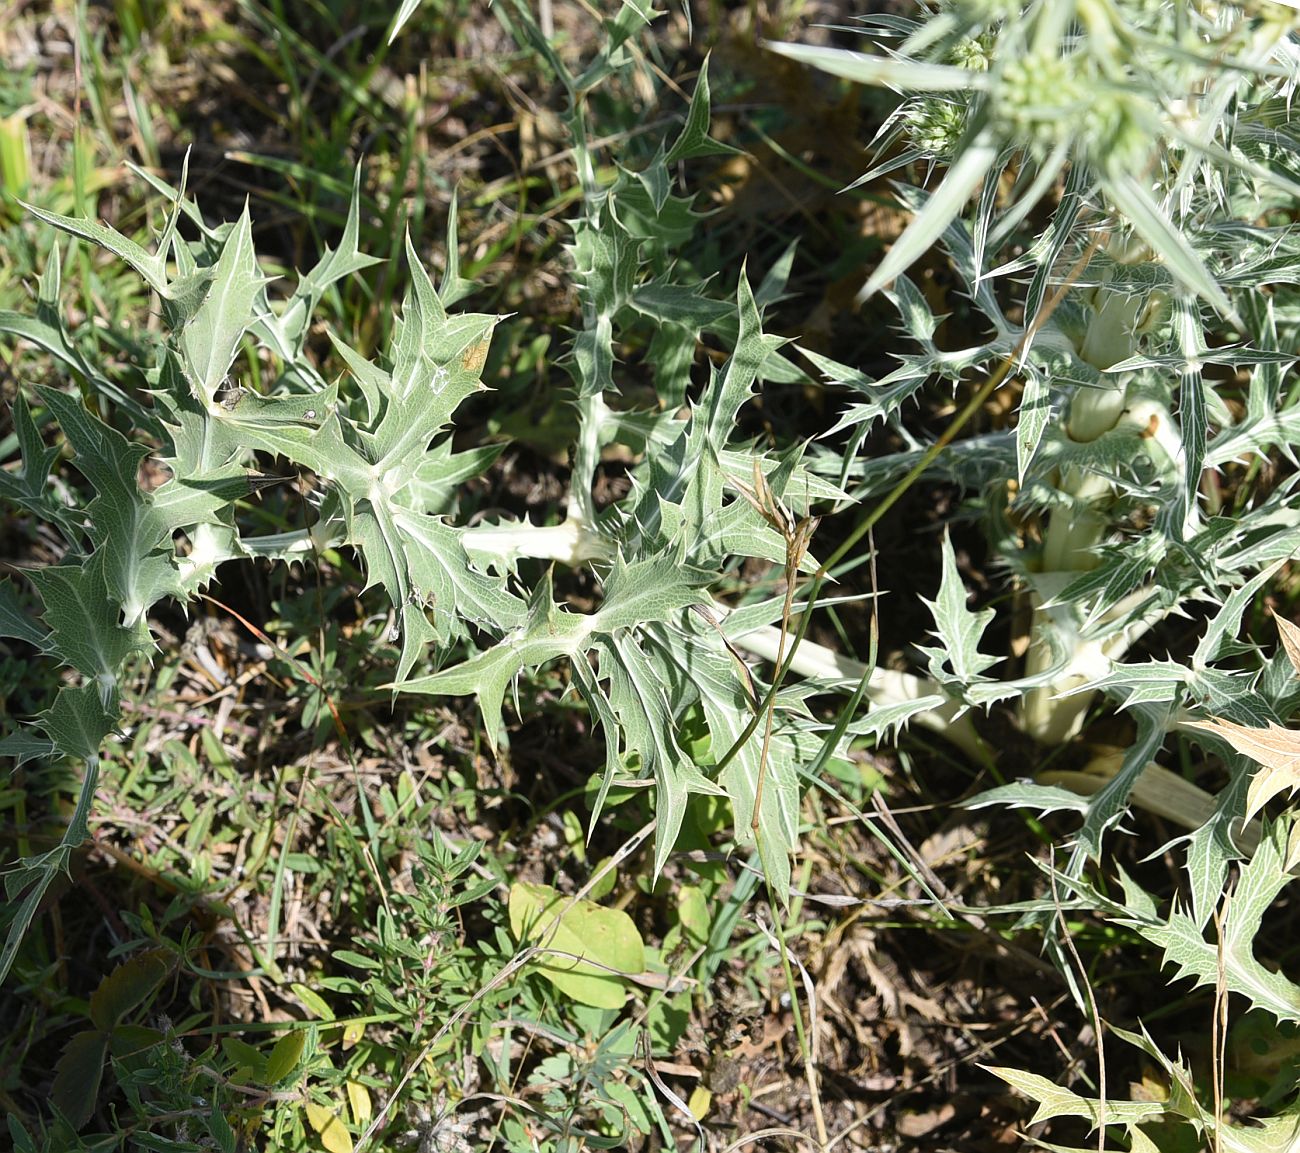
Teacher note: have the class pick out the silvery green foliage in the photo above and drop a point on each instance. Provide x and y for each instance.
(651, 660)
(1155, 334)
(1182, 1107)
(1145, 99)
(652, 656)
(372, 446)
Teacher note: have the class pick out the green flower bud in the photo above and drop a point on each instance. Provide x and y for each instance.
(1038, 100)
(935, 126)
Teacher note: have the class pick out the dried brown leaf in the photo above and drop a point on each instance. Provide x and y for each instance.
(1275, 748)
(1290, 636)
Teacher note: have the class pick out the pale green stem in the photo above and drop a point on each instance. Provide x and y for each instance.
(1073, 533)
(885, 686)
(1055, 712)
(592, 415)
(571, 543)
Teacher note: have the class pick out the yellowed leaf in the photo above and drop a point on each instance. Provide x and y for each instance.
(334, 1135)
(475, 357)
(1275, 748)
(1290, 637)
(359, 1100)
(701, 1099)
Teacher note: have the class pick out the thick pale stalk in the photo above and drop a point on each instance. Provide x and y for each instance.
(1055, 713)
(570, 543)
(884, 687)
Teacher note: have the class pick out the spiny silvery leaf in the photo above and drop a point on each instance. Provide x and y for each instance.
(672, 352)
(28, 486)
(285, 331)
(85, 620)
(888, 71)
(440, 472)
(605, 260)
(210, 338)
(632, 16)
(16, 619)
(1138, 682)
(1210, 849)
(1120, 456)
(1153, 224)
(453, 287)
(1269, 422)
(1026, 794)
(26, 745)
(887, 720)
(1096, 93)
(1124, 569)
(798, 486)
(723, 403)
(47, 334)
(642, 694)
(1049, 248)
(1109, 804)
(694, 139)
(940, 210)
(372, 380)
(747, 618)
(206, 462)
(77, 722)
(1221, 632)
(680, 488)
(888, 394)
(1231, 960)
(419, 405)
(635, 594)
(666, 301)
(1271, 1135)
(414, 555)
(151, 266)
(181, 204)
(131, 538)
(1230, 693)
(1264, 535)
(652, 667)
(973, 463)
(550, 632)
(959, 630)
(208, 474)
(656, 180)
(1054, 1100)
(1033, 418)
(436, 356)
(738, 528)
(1276, 1134)
(593, 357)
(728, 705)
(385, 480)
